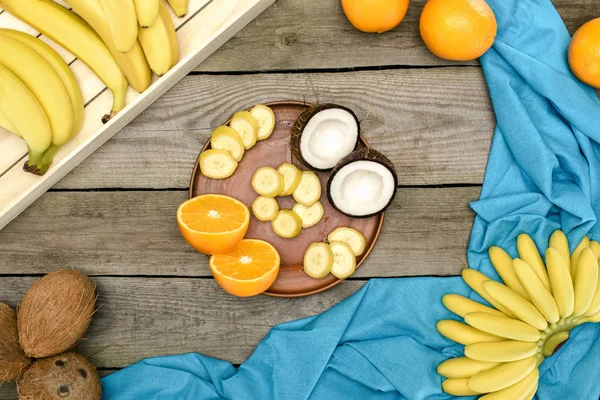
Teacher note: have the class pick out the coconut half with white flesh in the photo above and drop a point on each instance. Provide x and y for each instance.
(323, 135)
(363, 184)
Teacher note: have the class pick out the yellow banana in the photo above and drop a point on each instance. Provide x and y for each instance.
(147, 12)
(457, 387)
(122, 21)
(180, 7)
(585, 282)
(156, 42)
(538, 293)
(519, 391)
(8, 125)
(462, 367)
(594, 305)
(67, 77)
(502, 376)
(595, 246)
(559, 242)
(529, 253)
(166, 17)
(503, 264)
(462, 306)
(39, 76)
(503, 326)
(475, 280)
(462, 333)
(133, 63)
(506, 351)
(561, 282)
(585, 242)
(522, 309)
(26, 115)
(75, 35)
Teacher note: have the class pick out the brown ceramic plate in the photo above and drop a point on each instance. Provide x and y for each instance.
(292, 281)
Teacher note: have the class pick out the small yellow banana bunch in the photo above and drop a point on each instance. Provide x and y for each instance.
(534, 311)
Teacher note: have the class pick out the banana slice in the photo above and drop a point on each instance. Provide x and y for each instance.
(246, 126)
(353, 238)
(287, 224)
(310, 215)
(265, 208)
(266, 121)
(291, 178)
(309, 189)
(344, 260)
(267, 182)
(217, 164)
(318, 260)
(225, 138)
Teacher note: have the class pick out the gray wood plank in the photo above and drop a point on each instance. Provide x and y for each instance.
(135, 233)
(435, 124)
(146, 317)
(290, 35)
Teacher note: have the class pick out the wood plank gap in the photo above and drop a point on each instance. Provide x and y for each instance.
(328, 70)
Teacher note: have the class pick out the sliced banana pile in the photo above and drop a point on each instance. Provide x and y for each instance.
(287, 180)
(337, 257)
(244, 131)
(532, 315)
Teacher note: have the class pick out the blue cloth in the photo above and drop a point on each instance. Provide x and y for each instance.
(381, 342)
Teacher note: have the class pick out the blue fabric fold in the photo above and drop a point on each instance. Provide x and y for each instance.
(542, 174)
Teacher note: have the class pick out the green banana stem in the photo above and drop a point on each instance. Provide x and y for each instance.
(48, 156)
(35, 164)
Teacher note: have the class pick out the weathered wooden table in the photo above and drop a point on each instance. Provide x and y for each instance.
(113, 217)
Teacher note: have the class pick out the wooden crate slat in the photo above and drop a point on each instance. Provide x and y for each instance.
(199, 38)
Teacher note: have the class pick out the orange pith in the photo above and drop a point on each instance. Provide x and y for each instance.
(458, 30)
(213, 224)
(584, 53)
(247, 270)
(375, 15)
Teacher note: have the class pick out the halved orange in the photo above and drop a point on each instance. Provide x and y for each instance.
(213, 223)
(247, 270)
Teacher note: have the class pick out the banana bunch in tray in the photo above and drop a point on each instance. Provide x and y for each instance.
(122, 41)
(532, 315)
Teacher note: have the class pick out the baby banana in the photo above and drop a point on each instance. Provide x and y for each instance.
(122, 21)
(43, 81)
(503, 326)
(585, 242)
(506, 351)
(180, 7)
(502, 376)
(522, 390)
(75, 35)
(529, 253)
(585, 282)
(158, 44)
(475, 280)
(561, 282)
(462, 306)
(133, 63)
(458, 387)
(559, 242)
(147, 12)
(521, 308)
(464, 334)
(538, 293)
(503, 263)
(462, 367)
(26, 115)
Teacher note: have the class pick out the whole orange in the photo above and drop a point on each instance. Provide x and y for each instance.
(375, 15)
(584, 53)
(458, 30)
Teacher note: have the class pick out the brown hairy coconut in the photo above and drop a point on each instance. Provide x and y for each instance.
(66, 376)
(55, 313)
(12, 359)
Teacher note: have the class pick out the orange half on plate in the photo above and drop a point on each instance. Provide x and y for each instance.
(213, 223)
(247, 270)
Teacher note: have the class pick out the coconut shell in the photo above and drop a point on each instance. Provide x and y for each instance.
(12, 359)
(67, 376)
(301, 123)
(365, 154)
(55, 313)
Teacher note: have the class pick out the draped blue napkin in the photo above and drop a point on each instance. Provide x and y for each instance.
(542, 175)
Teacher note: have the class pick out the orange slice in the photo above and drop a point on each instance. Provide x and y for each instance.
(212, 223)
(247, 270)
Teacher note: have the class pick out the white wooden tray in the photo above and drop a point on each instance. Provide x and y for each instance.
(208, 25)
